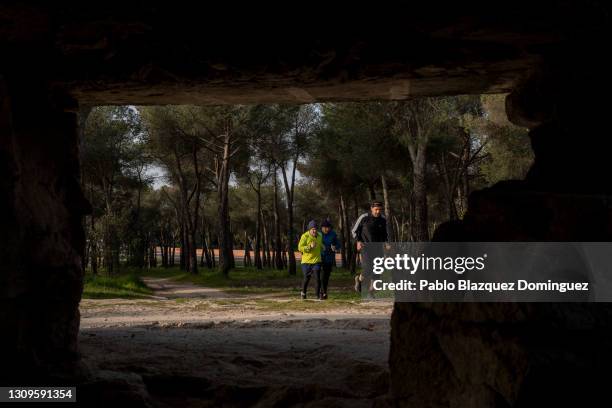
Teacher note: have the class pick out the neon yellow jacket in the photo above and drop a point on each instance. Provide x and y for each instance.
(310, 255)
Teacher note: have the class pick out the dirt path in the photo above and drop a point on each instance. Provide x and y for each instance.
(166, 288)
(182, 304)
(196, 346)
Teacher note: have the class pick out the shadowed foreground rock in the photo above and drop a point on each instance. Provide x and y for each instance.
(42, 240)
(513, 354)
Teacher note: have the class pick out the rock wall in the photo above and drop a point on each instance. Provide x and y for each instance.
(42, 240)
(513, 354)
(157, 52)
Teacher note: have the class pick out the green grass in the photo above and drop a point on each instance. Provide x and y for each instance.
(127, 285)
(272, 283)
(245, 281)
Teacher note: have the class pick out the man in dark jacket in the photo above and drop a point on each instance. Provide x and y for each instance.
(369, 227)
(331, 245)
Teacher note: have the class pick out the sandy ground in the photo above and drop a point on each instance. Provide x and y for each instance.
(195, 346)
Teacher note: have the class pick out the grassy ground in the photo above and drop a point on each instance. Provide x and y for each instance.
(251, 291)
(250, 281)
(265, 282)
(126, 285)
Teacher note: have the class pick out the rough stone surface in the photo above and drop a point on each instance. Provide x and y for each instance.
(42, 239)
(108, 388)
(507, 354)
(159, 52)
(511, 354)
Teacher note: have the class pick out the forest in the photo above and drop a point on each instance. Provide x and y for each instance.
(186, 186)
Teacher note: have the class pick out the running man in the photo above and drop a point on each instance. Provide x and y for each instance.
(369, 227)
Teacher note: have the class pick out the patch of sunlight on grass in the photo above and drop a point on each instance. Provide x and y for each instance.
(125, 286)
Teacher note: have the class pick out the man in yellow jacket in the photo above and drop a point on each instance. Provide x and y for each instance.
(311, 245)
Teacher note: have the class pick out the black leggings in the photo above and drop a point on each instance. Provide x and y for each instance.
(309, 270)
(375, 250)
(326, 269)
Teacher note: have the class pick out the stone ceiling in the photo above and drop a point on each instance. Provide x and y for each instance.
(173, 53)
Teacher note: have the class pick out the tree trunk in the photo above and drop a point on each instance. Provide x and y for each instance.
(388, 214)
(164, 252)
(213, 261)
(355, 263)
(196, 208)
(94, 245)
(350, 250)
(205, 250)
(183, 260)
(152, 256)
(193, 251)
(371, 192)
(266, 244)
(421, 225)
(94, 258)
(397, 229)
(289, 190)
(173, 257)
(258, 263)
(231, 250)
(465, 189)
(187, 233)
(278, 249)
(247, 250)
(342, 229)
(449, 181)
(225, 247)
(87, 252)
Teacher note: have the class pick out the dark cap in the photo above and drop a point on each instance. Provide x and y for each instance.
(326, 223)
(376, 204)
